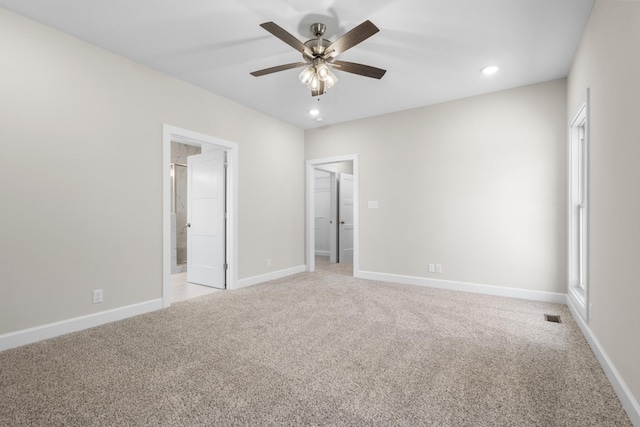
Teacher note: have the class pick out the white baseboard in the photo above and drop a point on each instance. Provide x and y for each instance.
(629, 403)
(323, 253)
(553, 297)
(254, 280)
(51, 330)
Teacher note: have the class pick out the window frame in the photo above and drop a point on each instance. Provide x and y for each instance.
(578, 211)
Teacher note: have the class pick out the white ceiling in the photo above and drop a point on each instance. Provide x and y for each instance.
(433, 50)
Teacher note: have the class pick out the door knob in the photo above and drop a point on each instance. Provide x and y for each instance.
(188, 224)
(341, 222)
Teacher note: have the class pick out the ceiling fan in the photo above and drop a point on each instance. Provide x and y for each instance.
(319, 55)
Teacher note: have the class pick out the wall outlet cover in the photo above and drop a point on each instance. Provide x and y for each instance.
(98, 296)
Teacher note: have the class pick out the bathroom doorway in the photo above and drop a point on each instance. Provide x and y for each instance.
(188, 145)
(183, 287)
(179, 214)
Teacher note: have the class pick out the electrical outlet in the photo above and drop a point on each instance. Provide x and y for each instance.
(432, 268)
(269, 263)
(439, 268)
(97, 296)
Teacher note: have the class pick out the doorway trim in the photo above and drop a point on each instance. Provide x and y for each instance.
(310, 209)
(172, 133)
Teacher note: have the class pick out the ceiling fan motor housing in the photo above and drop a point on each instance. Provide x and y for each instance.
(317, 46)
(318, 29)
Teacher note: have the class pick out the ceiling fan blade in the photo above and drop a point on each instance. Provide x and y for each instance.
(278, 68)
(351, 38)
(319, 91)
(286, 37)
(360, 69)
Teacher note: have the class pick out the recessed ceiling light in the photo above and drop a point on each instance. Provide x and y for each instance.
(314, 112)
(489, 70)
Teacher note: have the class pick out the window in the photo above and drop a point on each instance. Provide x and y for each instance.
(579, 210)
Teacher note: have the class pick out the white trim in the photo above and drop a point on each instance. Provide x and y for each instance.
(579, 296)
(254, 280)
(323, 253)
(553, 297)
(629, 403)
(579, 302)
(310, 205)
(52, 330)
(172, 133)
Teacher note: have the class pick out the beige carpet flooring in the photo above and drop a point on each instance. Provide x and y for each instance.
(317, 349)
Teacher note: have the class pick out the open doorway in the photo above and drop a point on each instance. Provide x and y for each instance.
(179, 195)
(224, 188)
(332, 212)
(195, 274)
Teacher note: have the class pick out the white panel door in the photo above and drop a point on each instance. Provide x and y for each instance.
(345, 212)
(333, 222)
(322, 212)
(205, 219)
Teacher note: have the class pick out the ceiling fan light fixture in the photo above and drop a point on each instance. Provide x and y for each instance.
(318, 74)
(307, 75)
(323, 71)
(315, 82)
(330, 80)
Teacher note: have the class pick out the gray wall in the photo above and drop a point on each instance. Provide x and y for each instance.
(82, 151)
(608, 63)
(477, 185)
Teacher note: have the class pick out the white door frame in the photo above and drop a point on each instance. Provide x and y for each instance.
(172, 133)
(310, 209)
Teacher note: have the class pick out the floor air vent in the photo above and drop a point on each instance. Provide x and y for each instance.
(552, 318)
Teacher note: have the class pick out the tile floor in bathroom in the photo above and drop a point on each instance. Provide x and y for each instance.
(182, 290)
